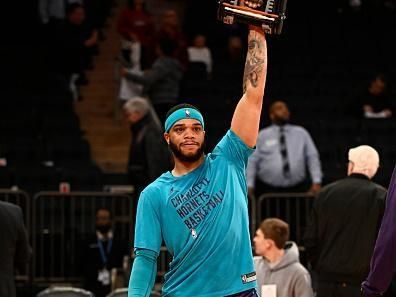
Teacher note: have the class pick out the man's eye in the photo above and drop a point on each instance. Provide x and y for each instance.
(197, 129)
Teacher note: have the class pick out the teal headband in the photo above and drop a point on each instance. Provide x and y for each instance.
(183, 113)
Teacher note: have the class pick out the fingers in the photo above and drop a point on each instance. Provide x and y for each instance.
(253, 3)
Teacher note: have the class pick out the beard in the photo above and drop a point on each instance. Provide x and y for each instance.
(280, 121)
(187, 158)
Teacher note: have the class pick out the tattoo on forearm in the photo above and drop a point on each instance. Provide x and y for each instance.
(254, 62)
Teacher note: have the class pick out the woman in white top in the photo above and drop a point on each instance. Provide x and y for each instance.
(199, 52)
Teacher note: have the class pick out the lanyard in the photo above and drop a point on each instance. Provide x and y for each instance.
(102, 251)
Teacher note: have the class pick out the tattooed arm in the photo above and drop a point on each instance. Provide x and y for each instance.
(246, 119)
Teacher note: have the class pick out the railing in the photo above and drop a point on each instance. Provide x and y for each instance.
(58, 223)
(293, 208)
(63, 220)
(20, 198)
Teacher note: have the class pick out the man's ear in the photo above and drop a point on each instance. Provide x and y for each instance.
(166, 136)
(270, 243)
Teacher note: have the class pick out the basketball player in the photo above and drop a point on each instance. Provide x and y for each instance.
(199, 209)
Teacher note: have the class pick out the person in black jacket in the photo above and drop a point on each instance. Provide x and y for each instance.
(346, 215)
(14, 246)
(149, 156)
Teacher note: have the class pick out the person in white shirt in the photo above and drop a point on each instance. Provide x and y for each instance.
(199, 52)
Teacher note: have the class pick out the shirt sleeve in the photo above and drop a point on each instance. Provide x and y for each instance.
(233, 149)
(143, 273)
(23, 250)
(312, 158)
(303, 287)
(149, 77)
(383, 261)
(148, 222)
(253, 165)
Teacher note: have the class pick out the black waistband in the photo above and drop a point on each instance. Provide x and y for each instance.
(340, 278)
(248, 293)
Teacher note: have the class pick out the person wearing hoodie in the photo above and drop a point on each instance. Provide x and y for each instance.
(278, 268)
(161, 83)
(346, 215)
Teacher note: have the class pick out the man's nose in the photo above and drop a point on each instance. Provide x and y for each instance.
(189, 133)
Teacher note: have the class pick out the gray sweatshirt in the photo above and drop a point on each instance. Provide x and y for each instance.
(161, 82)
(289, 276)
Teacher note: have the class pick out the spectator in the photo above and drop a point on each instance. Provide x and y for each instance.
(199, 52)
(136, 24)
(149, 156)
(51, 11)
(14, 246)
(277, 263)
(229, 63)
(170, 29)
(383, 264)
(75, 44)
(161, 82)
(345, 218)
(103, 251)
(129, 58)
(375, 103)
(282, 155)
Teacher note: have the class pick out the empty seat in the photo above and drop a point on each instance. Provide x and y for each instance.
(83, 177)
(37, 178)
(65, 292)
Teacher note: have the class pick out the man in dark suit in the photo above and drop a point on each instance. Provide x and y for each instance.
(103, 252)
(14, 246)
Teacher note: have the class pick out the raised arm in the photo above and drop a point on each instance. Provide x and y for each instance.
(246, 119)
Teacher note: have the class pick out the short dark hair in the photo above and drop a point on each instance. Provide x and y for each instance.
(380, 76)
(72, 7)
(277, 230)
(273, 103)
(105, 209)
(180, 106)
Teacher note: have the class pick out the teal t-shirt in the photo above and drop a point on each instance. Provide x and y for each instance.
(203, 219)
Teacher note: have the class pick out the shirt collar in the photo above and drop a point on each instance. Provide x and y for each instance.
(359, 176)
(102, 238)
(277, 127)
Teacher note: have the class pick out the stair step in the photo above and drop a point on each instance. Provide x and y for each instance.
(109, 138)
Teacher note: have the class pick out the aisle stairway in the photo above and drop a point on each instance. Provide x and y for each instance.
(105, 129)
(109, 137)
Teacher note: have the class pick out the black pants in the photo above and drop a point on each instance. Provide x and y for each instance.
(337, 289)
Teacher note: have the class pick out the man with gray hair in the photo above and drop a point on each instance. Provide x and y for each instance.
(340, 237)
(149, 156)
